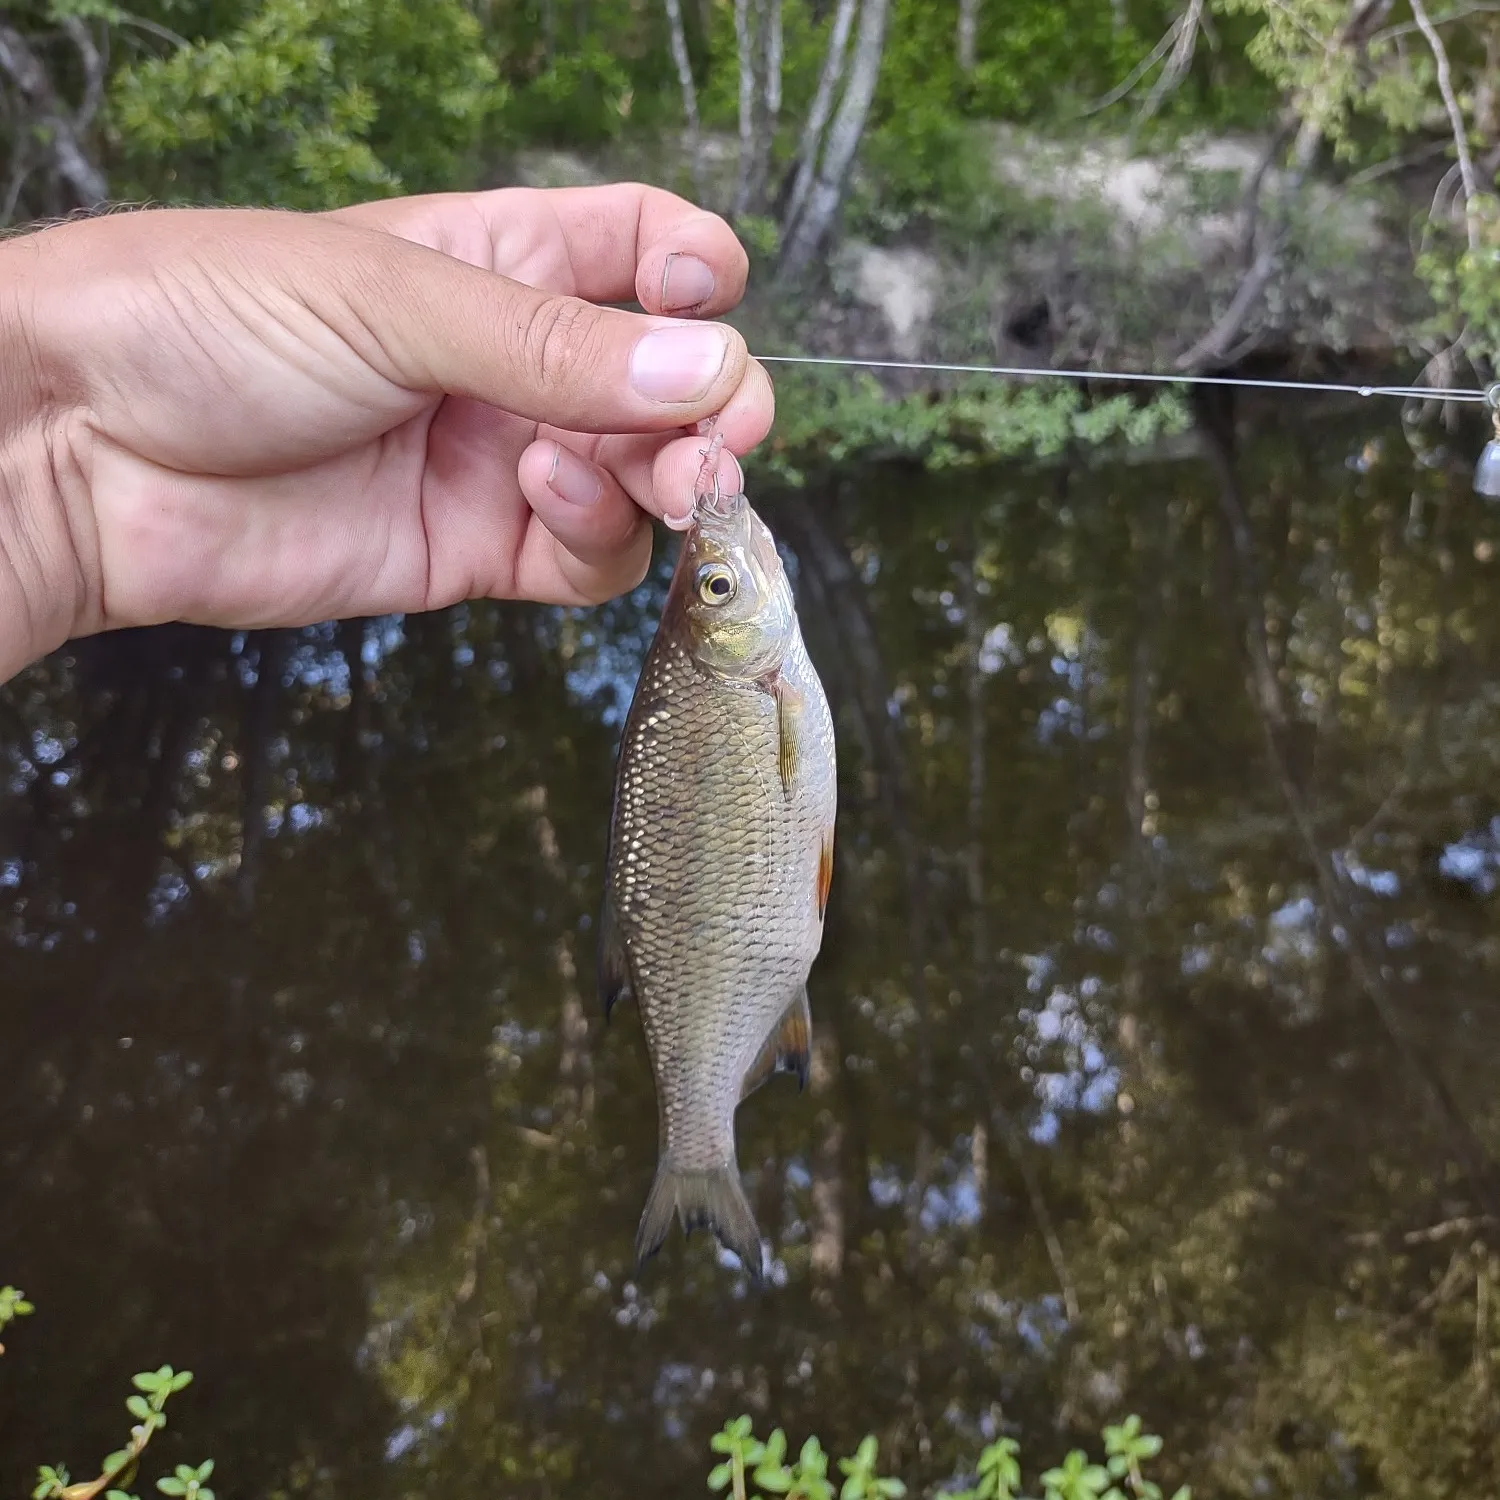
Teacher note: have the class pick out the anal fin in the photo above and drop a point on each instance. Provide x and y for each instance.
(788, 1049)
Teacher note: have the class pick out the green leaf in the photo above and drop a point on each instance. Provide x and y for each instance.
(1119, 1465)
(205, 1469)
(147, 1380)
(139, 1408)
(867, 1451)
(116, 1461)
(720, 1476)
(181, 1380)
(49, 1481)
(890, 1489)
(118, 1495)
(171, 1486)
(775, 1479)
(1185, 1493)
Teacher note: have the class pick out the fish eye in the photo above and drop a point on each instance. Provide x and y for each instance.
(715, 583)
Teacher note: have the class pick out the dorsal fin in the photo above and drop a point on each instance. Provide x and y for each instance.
(788, 1049)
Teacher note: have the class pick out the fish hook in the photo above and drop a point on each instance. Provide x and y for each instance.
(705, 501)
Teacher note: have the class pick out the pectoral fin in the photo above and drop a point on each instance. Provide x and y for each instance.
(788, 732)
(614, 963)
(788, 1049)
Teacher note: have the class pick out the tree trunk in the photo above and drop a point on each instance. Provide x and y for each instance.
(821, 108)
(683, 63)
(968, 34)
(770, 105)
(805, 237)
(744, 36)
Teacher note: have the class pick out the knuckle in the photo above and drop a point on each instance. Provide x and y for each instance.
(561, 337)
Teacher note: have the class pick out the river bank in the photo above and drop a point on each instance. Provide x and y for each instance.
(1086, 252)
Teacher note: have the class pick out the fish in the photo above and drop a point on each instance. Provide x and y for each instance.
(719, 863)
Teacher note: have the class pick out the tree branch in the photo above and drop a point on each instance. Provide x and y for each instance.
(29, 77)
(1455, 116)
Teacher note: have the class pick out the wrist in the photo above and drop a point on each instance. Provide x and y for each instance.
(40, 593)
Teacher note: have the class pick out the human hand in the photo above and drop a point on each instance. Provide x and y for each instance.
(250, 418)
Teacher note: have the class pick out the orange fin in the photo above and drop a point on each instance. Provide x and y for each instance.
(825, 872)
(788, 1049)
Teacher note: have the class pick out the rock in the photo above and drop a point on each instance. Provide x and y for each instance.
(900, 283)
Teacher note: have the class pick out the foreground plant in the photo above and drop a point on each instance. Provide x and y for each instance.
(148, 1406)
(13, 1305)
(754, 1470)
(153, 1389)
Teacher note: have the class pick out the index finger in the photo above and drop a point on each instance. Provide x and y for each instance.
(609, 243)
(622, 236)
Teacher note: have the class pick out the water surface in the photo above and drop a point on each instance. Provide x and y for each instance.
(1157, 1027)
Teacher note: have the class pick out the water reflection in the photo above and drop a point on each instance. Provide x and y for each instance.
(1156, 1030)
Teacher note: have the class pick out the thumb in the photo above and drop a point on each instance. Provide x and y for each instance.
(430, 322)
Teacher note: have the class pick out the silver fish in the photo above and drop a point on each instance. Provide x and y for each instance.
(719, 864)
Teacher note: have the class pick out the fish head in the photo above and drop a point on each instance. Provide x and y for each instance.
(737, 601)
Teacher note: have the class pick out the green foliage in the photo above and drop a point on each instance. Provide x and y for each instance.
(751, 1468)
(147, 1407)
(582, 98)
(748, 1461)
(829, 417)
(311, 104)
(13, 1305)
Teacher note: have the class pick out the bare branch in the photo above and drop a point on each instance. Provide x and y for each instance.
(69, 160)
(1187, 28)
(93, 71)
(1137, 73)
(1455, 116)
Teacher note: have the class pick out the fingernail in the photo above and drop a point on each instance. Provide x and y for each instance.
(571, 479)
(686, 282)
(678, 364)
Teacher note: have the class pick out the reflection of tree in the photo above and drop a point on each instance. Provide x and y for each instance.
(1368, 956)
(369, 1167)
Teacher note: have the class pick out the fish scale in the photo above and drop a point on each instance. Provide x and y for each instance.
(715, 887)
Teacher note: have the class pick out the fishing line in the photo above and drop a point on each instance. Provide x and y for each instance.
(1486, 473)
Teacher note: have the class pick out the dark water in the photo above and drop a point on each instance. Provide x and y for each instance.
(1158, 1025)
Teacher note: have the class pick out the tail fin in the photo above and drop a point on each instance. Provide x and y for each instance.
(702, 1200)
